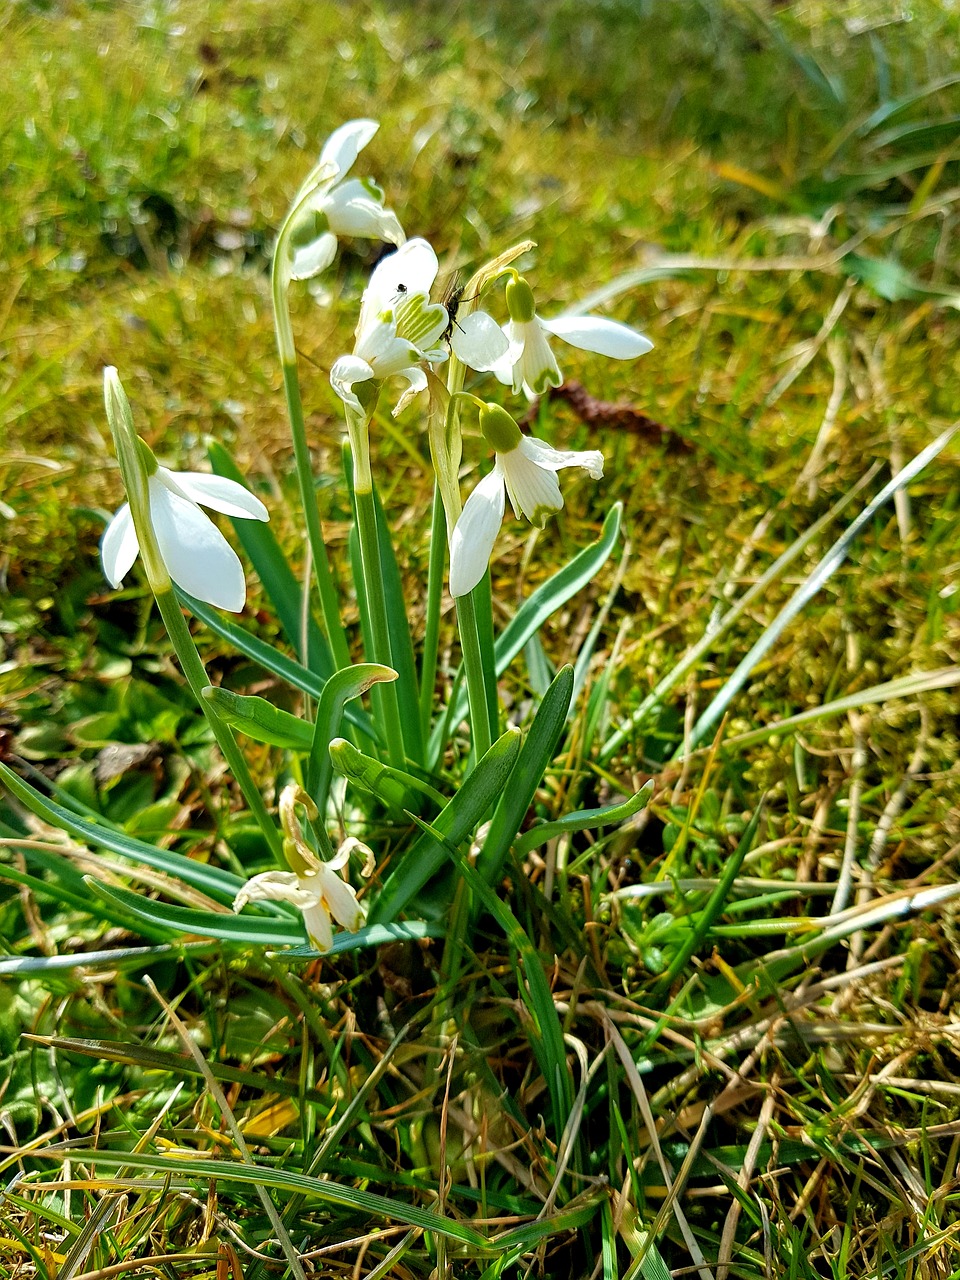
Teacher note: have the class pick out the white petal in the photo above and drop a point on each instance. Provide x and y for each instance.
(479, 342)
(119, 547)
(504, 368)
(475, 533)
(345, 144)
(605, 337)
(220, 494)
(416, 382)
(537, 367)
(345, 372)
(352, 210)
(412, 269)
(273, 886)
(317, 922)
(310, 259)
(197, 555)
(340, 899)
(533, 489)
(544, 455)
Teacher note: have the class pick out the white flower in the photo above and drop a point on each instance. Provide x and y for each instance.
(530, 363)
(399, 326)
(316, 890)
(327, 207)
(196, 554)
(319, 894)
(525, 468)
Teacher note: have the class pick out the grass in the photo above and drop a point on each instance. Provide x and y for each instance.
(636, 1070)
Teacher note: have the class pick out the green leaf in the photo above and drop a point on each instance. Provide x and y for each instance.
(220, 885)
(340, 689)
(544, 1031)
(270, 565)
(391, 786)
(401, 645)
(714, 905)
(260, 719)
(539, 748)
(454, 823)
(372, 1207)
(584, 820)
(271, 659)
(535, 611)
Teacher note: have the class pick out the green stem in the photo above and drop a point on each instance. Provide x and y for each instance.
(377, 615)
(196, 675)
(476, 676)
(431, 638)
(308, 498)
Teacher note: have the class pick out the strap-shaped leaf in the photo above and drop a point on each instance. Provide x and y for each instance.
(271, 659)
(248, 928)
(401, 645)
(219, 884)
(392, 786)
(454, 823)
(535, 611)
(260, 719)
(340, 689)
(584, 820)
(537, 751)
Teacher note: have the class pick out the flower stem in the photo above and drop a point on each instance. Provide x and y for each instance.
(318, 549)
(196, 675)
(431, 638)
(386, 694)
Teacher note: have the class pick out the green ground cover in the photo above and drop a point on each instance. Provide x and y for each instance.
(771, 192)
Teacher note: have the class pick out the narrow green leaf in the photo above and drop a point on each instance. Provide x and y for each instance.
(271, 659)
(454, 823)
(180, 1167)
(539, 748)
(60, 891)
(584, 820)
(535, 611)
(263, 930)
(260, 719)
(401, 644)
(714, 904)
(545, 1032)
(340, 689)
(270, 565)
(220, 885)
(392, 786)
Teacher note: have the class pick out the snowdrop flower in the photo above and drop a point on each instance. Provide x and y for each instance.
(399, 326)
(529, 362)
(315, 888)
(327, 206)
(526, 469)
(194, 552)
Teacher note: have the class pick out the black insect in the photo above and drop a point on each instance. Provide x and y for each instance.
(452, 297)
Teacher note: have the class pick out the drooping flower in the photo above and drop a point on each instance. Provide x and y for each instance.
(399, 327)
(315, 888)
(525, 469)
(327, 206)
(196, 554)
(529, 362)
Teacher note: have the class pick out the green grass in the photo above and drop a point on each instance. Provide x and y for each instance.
(403, 1098)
